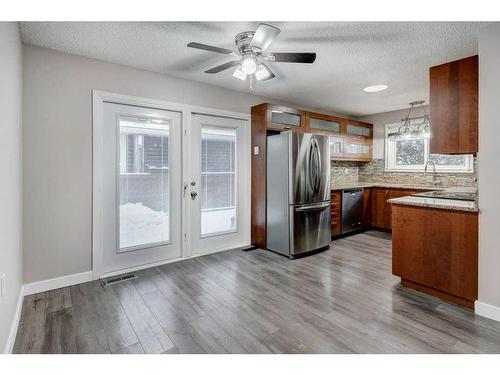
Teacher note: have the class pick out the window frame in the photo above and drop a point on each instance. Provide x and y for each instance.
(390, 166)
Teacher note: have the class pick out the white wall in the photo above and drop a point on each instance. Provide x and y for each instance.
(58, 150)
(379, 121)
(489, 181)
(11, 185)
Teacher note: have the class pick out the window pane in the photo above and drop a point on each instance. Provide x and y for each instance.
(410, 152)
(218, 185)
(450, 160)
(144, 179)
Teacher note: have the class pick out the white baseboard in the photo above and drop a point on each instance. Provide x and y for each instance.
(486, 310)
(15, 323)
(58, 282)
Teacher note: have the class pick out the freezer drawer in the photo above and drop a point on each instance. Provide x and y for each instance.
(309, 227)
(352, 210)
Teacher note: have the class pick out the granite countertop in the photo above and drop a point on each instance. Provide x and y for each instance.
(442, 203)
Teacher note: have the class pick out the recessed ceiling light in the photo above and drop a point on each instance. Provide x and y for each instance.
(375, 88)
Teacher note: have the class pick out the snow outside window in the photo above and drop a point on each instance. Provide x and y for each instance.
(143, 183)
(411, 155)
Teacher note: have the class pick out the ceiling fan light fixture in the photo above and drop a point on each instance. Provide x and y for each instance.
(248, 65)
(262, 73)
(375, 88)
(238, 73)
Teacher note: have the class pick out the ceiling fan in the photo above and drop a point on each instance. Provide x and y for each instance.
(252, 54)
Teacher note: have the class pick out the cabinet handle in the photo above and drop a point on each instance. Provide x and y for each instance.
(286, 127)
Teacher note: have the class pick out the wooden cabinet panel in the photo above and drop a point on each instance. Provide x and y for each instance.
(367, 207)
(258, 183)
(454, 107)
(436, 251)
(381, 210)
(357, 148)
(283, 118)
(323, 124)
(358, 129)
(336, 212)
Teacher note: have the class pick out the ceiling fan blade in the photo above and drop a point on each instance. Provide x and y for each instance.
(222, 67)
(206, 47)
(269, 71)
(264, 36)
(306, 57)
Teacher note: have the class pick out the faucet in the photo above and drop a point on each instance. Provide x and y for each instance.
(433, 171)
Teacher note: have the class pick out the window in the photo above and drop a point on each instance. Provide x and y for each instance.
(143, 183)
(218, 182)
(410, 155)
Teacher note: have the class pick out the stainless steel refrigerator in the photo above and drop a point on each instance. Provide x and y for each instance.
(298, 193)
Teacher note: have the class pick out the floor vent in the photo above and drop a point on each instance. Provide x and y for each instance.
(119, 279)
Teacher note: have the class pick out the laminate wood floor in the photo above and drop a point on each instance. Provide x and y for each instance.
(343, 300)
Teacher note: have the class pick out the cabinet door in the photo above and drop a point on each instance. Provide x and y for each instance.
(336, 147)
(357, 149)
(336, 212)
(380, 208)
(454, 107)
(324, 124)
(367, 207)
(284, 118)
(358, 129)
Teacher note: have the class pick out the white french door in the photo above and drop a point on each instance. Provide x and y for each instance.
(142, 186)
(218, 186)
(164, 191)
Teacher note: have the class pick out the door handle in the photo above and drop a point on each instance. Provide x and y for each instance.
(313, 208)
(193, 195)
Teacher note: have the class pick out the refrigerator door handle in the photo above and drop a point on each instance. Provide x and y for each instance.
(316, 207)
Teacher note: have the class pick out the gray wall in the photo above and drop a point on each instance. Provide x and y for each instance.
(11, 186)
(489, 182)
(58, 150)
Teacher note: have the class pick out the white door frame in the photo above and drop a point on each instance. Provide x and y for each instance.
(98, 99)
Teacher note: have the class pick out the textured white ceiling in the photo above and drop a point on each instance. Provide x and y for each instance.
(350, 56)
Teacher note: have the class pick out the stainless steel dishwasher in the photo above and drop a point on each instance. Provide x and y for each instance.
(352, 210)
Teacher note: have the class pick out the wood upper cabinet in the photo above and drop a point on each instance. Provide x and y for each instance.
(358, 130)
(323, 124)
(283, 118)
(454, 107)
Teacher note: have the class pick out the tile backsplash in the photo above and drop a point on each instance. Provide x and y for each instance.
(348, 172)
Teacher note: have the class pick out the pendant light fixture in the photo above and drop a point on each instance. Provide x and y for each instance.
(409, 129)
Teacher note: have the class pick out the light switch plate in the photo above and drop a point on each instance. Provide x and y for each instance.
(256, 150)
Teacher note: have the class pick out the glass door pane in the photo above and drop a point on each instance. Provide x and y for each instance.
(143, 182)
(218, 180)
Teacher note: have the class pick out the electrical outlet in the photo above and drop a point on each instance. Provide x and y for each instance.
(2, 286)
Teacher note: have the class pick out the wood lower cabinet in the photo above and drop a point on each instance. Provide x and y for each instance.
(381, 209)
(336, 212)
(367, 207)
(380, 212)
(436, 252)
